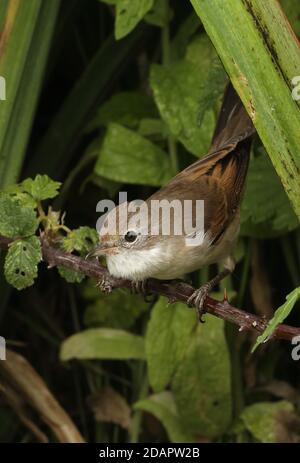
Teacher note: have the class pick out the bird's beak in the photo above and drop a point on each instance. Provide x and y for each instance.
(102, 249)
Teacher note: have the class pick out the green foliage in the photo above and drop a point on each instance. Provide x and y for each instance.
(190, 359)
(16, 219)
(180, 96)
(126, 156)
(103, 343)
(117, 310)
(125, 108)
(204, 403)
(129, 14)
(21, 262)
(266, 210)
(279, 316)
(263, 420)
(168, 335)
(160, 14)
(41, 188)
(163, 407)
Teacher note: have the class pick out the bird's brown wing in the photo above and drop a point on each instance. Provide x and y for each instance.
(219, 177)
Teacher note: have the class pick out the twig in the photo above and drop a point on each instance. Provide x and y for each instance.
(175, 291)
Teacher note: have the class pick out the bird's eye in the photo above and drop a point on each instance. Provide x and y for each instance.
(130, 236)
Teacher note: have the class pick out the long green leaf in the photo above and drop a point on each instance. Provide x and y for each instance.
(261, 55)
(13, 147)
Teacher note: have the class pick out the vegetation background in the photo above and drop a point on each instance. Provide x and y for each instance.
(112, 95)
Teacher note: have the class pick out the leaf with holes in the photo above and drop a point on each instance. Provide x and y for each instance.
(41, 187)
(16, 219)
(129, 14)
(21, 262)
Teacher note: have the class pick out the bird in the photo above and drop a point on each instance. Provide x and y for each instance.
(218, 179)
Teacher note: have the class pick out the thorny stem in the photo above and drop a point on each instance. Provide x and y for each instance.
(175, 291)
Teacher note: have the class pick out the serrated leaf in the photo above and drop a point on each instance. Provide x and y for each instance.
(16, 219)
(266, 210)
(163, 407)
(261, 419)
(178, 89)
(126, 156)
(167, 337)
(21, 262)
(125, 108)
(41, 187)
(201, 384)
(81, 239)
(129, 14)
(103, 343)
(279, 316)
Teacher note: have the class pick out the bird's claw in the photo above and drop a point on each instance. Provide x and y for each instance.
(198, 299)
(105, 285)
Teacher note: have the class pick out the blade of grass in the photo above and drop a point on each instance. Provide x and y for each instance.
(261, 55)
(13, 147)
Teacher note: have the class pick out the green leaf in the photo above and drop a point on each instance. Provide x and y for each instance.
(125, 156)
(103, 343)
(129, 14)
(160, 14)
(41, 187)
(16, 219)
(117, 310)
(71, 276)
(178, 92)
(183, 36)
(168, 335)
(125, 108)
(266, 210)
(82, 239)
(163, 407)
(201, 384)
(262, 419)
(21, 262)
(292, 11)
(279, 316)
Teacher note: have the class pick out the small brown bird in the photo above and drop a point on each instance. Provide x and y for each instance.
(218, 179)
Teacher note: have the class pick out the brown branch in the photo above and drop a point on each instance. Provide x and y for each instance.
(175, 291)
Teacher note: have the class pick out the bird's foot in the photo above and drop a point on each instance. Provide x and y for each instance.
(141, 287)
(105, 285)
(198, 299)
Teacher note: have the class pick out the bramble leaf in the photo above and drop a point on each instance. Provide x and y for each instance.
(41, 187)
(16, 219)
(21, 262)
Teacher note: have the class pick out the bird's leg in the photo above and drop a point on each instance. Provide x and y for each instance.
(140, 287)
(199, 296)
